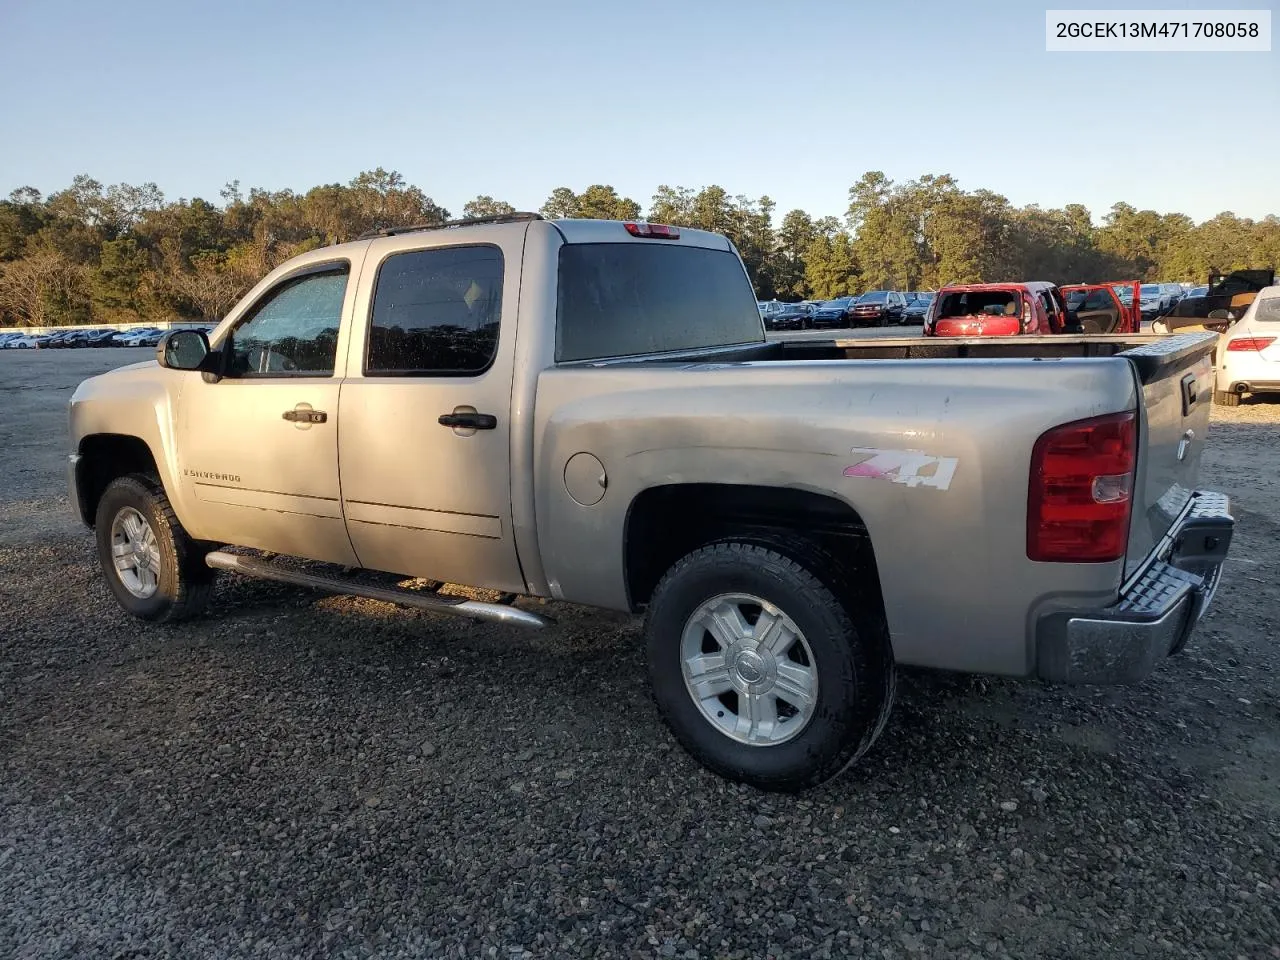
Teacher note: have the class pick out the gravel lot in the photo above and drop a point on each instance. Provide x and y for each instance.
(300, 776)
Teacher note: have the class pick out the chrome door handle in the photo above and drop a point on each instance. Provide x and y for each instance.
(305, 416)
(473, 421)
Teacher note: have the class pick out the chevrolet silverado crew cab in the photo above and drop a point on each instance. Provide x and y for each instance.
(590, 412)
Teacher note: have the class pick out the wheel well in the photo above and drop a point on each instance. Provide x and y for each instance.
(666, 523)
(103, 458)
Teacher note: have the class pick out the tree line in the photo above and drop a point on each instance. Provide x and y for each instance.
(95, 254)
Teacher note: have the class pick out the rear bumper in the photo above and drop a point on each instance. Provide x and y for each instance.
(1243, 369)
(985, 327)
(1155, 612)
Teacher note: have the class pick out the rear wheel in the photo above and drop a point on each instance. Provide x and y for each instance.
(154, 569)
(1226, 398)
(760, 670)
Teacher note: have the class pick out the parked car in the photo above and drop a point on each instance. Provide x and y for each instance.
(80, 338)
(101, 338)
(832, 313)
(1173, 292)
(30, 341)
(145, 336)
(878, 308)
(1248, 356)
(792, 316)
(769, 308)
(917, 307)
(1155, 302)
(5, 339)
(132, 338)
(997, 310)
(148, 337)
(1200, 291)
(571, 410)
(76, 338)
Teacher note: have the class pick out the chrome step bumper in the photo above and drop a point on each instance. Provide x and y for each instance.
(1153, 616)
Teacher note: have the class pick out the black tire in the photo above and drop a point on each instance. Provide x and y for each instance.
(184, 583)
(1226, 398)
(852, 660)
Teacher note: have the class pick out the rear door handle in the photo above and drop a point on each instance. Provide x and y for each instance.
(473, 421)
(304, 415)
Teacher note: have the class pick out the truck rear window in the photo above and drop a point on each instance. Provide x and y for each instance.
(627, 299)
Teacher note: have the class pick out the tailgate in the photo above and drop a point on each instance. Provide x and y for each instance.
(1176, 376)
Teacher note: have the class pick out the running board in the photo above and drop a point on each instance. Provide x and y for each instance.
(459, 606)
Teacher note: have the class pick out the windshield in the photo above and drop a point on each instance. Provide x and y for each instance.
(1151, 290)
(839, 303)
(624, 299)
(875, 296)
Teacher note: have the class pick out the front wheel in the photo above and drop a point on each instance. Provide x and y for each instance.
(153, 567)
(760, 670)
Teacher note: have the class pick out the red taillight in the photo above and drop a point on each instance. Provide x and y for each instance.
(1250, 343)
(654, 231)
(1081, 490)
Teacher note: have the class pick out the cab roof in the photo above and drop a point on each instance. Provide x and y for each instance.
(574, 230)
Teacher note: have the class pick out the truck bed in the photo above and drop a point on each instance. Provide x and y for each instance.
(1150, 353)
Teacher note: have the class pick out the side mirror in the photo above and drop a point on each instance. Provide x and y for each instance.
(182, 349)
(1219, 314)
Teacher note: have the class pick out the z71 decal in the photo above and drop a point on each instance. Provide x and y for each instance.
(911, 467)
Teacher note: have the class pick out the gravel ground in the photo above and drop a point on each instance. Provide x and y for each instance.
(300, 776)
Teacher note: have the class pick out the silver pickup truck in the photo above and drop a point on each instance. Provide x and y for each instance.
(590, 411)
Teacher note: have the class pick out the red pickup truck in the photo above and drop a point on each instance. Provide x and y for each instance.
(997, 310)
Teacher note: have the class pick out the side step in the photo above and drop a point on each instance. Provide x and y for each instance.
(460, 606)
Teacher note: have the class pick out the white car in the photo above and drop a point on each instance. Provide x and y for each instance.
(1249, 352)
(24, 343)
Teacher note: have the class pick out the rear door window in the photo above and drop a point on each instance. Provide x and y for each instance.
(436, 312)
(628, 299)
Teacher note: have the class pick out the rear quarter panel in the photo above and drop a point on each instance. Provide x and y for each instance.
(959, 590)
